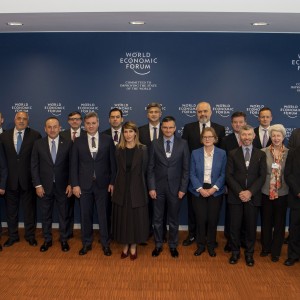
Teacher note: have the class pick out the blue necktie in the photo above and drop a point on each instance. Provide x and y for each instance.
(19, 141)
(168, 148)
(53, 151)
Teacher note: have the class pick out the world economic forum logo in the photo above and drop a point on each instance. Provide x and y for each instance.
(254, 109)
(139, 62)
(223, 110)
(290, 110)
(296, 62)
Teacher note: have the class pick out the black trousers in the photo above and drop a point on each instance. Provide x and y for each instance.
(207, 211)
(294, 239)
(47, 206)
(26, 198)
(70, 214)
(273, 224)
(94, 197)
(164, 195)
(247, 213)
(192, 226)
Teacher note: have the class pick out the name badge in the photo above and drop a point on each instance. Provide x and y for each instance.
(275, 166)
(247, 163)
(168, 154)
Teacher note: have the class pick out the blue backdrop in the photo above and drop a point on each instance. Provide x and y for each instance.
(56, 73)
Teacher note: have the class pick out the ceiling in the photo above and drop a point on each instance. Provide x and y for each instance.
(176, 15)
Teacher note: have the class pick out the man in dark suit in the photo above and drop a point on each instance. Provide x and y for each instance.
(3, 176)
(115, 120)
(191, 133)
(93, 172)
(245, 175)
(168, 178)
(262, 139)
(149, 132)
(74, 120)
(18, 143)
(230, 142)
(294, 140)
(50, 174)
(292, 178)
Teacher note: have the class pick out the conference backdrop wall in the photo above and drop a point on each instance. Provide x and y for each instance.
(55, 73)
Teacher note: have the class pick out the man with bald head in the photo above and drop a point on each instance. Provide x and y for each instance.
(191, 133)
(17, 144)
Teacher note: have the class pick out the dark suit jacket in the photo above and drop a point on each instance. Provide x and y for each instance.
(294, 140)
(137, 188)
(237, 174)
(229, 142)
(19, 164)
(83, 164)
(292, 177)
(144, 134)
(44, 170)
(191, 133)
(257, 142)
(174, 170)
(3, 168)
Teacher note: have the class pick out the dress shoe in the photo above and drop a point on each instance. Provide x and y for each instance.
(124, 255)
(227, 248)
(275, 258)
(290, 262)
(212, 253)
(85, 249)
(156, 252)
(234, 259)
(249, 260)
(10, 242)
(106, 251)
(32, 242)
(46, 246)
(188, 241)
(65, 246)
(199, 251)
(264, 253)
(133, 256)
(174, 252)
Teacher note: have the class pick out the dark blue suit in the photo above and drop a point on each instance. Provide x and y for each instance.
(93, 176)
(207, 209)
(54, 178)
(168, 176)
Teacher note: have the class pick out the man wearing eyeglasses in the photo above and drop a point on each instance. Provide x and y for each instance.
(72, 133)
(18, 143)
(168, 178)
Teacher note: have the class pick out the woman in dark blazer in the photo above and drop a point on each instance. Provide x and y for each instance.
(274, 195)
(207, 180)
(130, 220)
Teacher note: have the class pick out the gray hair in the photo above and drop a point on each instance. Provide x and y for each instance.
(246, 127)
(277, 127)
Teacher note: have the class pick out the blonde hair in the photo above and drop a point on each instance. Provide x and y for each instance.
(133, 126)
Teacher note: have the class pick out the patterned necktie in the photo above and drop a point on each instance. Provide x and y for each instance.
(74, 136)
(53, 151)
(265, 138)
(116, 137)
(154, 133)
(247, 157)
(19, 141)
(94, 146)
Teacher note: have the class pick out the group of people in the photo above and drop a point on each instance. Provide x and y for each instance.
(136, 179)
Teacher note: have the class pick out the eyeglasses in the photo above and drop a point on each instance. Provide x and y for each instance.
(208, 137)
(74, 119)
(164, 127)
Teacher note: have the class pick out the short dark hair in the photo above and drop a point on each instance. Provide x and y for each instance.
(116, 109)
(264, 109)
(238, 114)
(73, 113)
(168, 119)
(153, 104)
(52, 118)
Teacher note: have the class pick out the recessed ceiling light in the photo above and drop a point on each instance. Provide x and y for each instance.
(14, 24)
(259, 24)
(137, 23)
